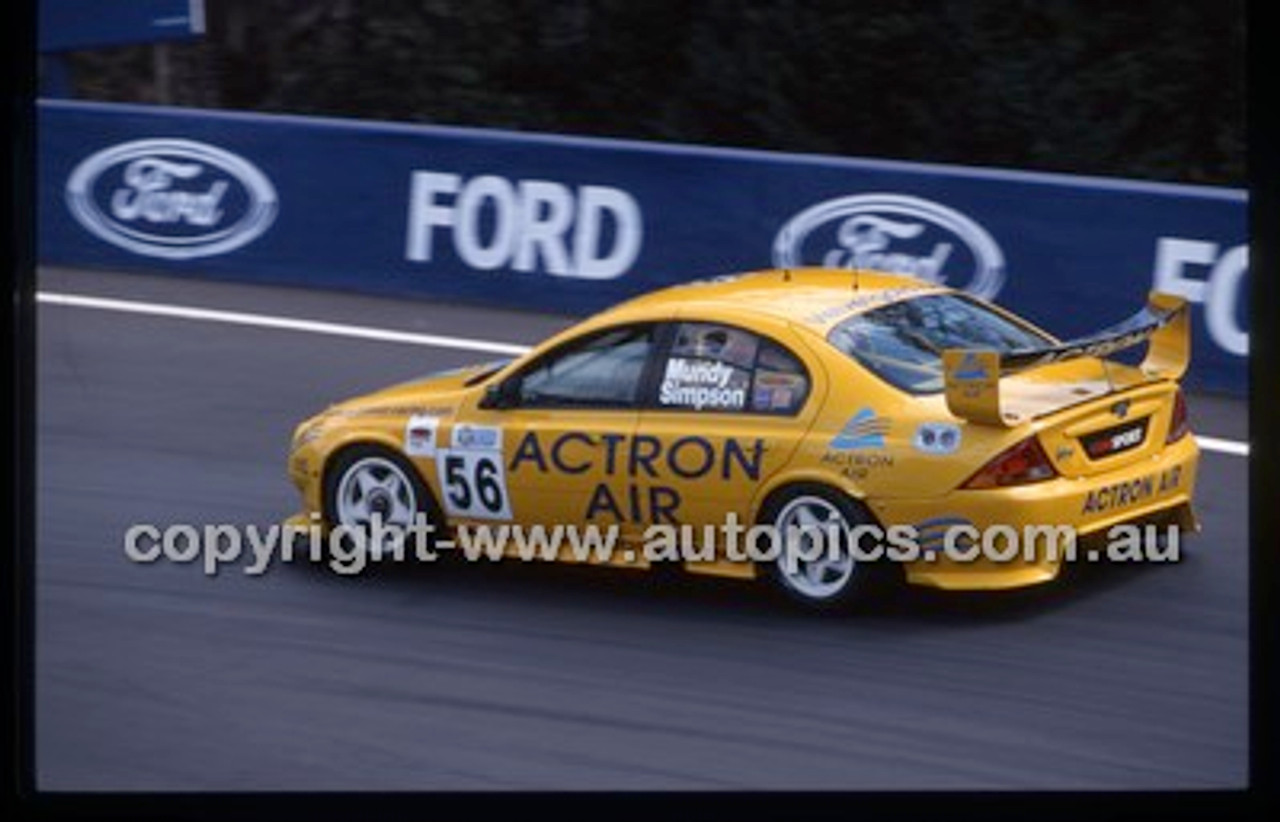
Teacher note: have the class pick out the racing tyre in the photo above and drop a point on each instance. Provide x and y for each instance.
(365, 484)
(813, 570)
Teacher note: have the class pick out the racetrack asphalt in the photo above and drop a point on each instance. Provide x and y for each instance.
(156, 677)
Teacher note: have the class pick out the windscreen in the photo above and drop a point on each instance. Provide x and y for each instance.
(902, 343)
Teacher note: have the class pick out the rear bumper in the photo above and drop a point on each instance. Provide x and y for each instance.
(1157, 490)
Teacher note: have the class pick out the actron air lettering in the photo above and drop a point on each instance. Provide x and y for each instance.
(1131, 492)
(642, 455)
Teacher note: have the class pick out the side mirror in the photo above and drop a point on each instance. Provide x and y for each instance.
(498, 396)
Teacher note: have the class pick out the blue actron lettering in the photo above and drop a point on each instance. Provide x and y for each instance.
(733, 453)
(530, 450)
(700, 467)
(557, 459)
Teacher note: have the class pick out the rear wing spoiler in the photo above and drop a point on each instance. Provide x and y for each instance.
(972, 376)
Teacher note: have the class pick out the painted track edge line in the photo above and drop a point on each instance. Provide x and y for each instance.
(1233, 447)
(280, 323)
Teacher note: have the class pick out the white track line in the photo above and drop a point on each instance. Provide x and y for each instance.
(1233, 447)
(285, 323)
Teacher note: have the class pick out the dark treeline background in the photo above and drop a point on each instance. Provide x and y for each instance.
(1136, 88)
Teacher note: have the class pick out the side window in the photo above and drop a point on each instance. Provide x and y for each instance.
(602, 371)
(781, 384)
(720, 368)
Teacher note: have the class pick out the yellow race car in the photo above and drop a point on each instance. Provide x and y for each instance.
(794, 399)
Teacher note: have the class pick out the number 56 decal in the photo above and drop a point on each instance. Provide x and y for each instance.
(472, 479)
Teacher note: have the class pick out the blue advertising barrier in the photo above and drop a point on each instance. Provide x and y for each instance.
(574, 224)
(66, 25)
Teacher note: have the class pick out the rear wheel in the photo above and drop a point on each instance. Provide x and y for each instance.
(814, 563)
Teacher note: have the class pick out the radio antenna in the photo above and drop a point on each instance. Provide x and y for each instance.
(1106, 373)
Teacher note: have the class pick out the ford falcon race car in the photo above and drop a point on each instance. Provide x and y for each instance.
(784, 398)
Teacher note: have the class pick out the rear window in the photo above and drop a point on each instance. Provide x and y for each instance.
(902, 342)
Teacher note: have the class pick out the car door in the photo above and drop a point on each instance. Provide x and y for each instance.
(562, 427)
(728, 406)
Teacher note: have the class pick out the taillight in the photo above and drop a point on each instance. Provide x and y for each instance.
(1178, 426)
(1017, 465)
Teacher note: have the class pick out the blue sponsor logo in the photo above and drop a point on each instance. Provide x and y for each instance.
(936, 438)
(172, 199)
(864, 429)
(898, 233)
(971, 368)
(467, 436)
(932, 533)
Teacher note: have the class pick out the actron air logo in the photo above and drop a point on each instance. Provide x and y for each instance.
(896, 233)
(865, 429)
(971, 368)
(171, 198)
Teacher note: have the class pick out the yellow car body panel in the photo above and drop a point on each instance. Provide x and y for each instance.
(641, 465)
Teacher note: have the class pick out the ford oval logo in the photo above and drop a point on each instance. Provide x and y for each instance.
(170, 198)
(896, 233)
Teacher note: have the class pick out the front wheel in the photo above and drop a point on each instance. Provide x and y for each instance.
(367, 486)
(814, 564)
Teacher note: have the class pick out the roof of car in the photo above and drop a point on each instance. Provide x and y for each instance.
(814, 297)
